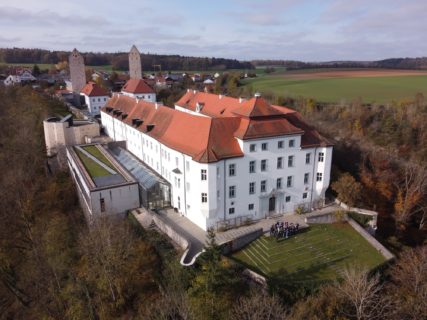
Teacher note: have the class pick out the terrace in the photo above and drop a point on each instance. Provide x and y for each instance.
(316, 254)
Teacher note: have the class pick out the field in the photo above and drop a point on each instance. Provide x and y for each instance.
(343, 85)
(317, 254)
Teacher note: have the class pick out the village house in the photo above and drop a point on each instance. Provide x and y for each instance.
(95, 97)
(19, 76)
(139, 89)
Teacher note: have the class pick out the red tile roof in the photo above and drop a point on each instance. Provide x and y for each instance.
(259, 118)
(93, 90)
(204, 139)
(137, 86)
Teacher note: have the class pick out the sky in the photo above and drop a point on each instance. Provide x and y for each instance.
(307, 30)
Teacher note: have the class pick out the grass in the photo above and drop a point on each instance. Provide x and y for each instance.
(98, 154)
(369, 89)
(316, 254)
(42, 66)
(94, 169)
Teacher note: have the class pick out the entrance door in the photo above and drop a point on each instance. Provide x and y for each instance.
(272, 204)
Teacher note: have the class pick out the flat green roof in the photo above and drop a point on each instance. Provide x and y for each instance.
(93, 168)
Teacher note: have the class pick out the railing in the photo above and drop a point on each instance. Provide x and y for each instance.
(234, 222)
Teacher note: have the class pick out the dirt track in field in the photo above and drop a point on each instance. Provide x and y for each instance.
(304, 75)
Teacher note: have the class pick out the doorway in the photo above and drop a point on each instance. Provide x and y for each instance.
(272, 204)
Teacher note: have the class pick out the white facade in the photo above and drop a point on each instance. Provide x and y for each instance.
(24, 76)
(150, 97)
(94, 104)
(208, 193)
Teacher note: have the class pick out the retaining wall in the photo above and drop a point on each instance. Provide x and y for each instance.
(328, 217)
(374, 242)
(240, 242)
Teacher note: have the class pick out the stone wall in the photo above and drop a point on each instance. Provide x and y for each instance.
(321, 217)
(238, 243)
(374, 242)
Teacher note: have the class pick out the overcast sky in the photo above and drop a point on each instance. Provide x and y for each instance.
(309, 30)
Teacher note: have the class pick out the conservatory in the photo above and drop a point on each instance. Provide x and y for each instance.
(154, 191)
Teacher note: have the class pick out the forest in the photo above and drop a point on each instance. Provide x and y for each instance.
(54, 266)
(120, 60)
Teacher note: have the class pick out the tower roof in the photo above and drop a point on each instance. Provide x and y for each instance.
(134, 49)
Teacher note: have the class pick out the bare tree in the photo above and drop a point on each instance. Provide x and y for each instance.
(411, 190)
(409, 284)
(259, 306)
(362, 296)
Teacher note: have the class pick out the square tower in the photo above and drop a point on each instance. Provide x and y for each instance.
(77, 71)
(135, 70)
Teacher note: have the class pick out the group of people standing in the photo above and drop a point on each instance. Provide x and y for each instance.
(283, 230)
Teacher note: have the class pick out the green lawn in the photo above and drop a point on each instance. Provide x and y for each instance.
(318, 253)
(94, 169)
(370, 89)
(97, 154)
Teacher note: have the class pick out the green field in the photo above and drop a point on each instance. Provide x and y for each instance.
(317, 254)
(97, 154)
(369, 89)
(94, 169)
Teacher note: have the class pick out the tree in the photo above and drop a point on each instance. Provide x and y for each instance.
(347, 189)
(362, 295)
(36, 70)
(259, 305)
(408, 288)
(411, 191)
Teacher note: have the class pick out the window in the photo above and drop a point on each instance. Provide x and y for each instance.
(250, 206)
(230, 210)
(187, 165)
(102, 204)
(307, 158)
(232, 191)
(232, 170)
(280, 144)
(279, 183)
(188, 186)
(264, 146)
(289, 182)
(319, 176)
(304, 195)
(179, 203)
(179, 183)
(290, 161)
(204, 197)
(251, 166)
(288, 199)
(217, 194)
(279, 163)
(203, 174)
(263, 165)
(176, 160)
(252, 147)
(306, 178)
(263, 185)
(321, 156)
(291, 143)
(251, 187)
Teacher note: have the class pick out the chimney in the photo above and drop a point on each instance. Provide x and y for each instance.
(257, 95)
(156, 105)
(194, 91)
(241, 100)
(220, 96)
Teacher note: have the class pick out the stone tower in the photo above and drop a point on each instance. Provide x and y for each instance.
(135, 70)
(77, 71)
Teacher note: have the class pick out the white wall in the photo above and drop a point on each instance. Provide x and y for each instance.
(187, 185)
(117, 200)
(94, 104)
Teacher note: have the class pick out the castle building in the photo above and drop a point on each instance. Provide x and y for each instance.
(226, 159)
(95, 97)
(135, 69)
(77, 71)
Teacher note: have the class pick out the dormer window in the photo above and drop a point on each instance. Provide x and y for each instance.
(199, 106)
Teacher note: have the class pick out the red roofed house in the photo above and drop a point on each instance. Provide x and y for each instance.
(225, 158)
(95, 97)
(139, 89)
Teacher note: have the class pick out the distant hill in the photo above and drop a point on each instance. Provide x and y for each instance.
(119, 60)
(395, 63)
